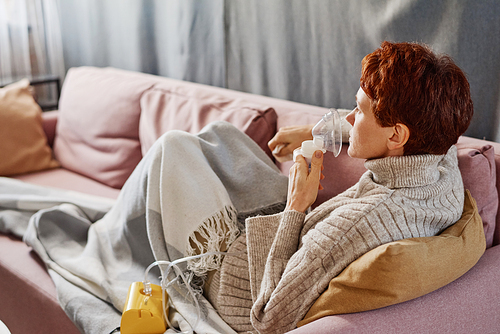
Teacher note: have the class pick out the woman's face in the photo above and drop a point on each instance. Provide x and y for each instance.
(367, 139)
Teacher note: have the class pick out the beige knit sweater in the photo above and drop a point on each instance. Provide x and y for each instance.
(289, 258)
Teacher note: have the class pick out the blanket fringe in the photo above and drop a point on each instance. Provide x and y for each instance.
(215, 234)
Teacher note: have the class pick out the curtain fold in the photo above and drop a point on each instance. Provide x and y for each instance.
(181, 39)
(15, 57)
(30, 39)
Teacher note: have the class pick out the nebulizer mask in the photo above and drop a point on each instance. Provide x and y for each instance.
(327, 136)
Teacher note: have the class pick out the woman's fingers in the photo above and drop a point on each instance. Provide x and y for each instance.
(304, 183)
(288, 139)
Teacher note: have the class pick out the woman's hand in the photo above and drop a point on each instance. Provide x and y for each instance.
(288, 139)
(303, 184)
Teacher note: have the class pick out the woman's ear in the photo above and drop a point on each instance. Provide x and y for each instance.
(400, 136)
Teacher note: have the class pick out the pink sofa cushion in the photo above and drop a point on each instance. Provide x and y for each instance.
(97, 132)
(477, 165)
(170, 106)
(478, 143)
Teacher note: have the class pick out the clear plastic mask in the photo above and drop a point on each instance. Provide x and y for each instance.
(327, 133)
(327, 136)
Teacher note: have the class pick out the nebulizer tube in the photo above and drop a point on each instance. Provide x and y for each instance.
(165, 284)
(327, 136)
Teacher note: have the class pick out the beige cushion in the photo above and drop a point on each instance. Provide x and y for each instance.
(405, 269)
(23, 143)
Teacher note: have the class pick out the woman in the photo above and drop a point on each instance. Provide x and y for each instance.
(411, 107)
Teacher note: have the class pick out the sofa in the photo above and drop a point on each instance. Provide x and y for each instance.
(108, 119)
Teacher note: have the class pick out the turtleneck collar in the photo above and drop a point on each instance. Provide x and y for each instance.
(407, 171)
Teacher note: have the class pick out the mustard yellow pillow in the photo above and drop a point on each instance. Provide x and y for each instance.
(23, 143)
(405, 269)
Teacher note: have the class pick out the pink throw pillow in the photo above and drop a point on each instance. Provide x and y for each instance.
(97, 132)
(477, 165)
(176, 106)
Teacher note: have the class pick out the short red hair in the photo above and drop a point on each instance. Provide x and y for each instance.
(428, 93)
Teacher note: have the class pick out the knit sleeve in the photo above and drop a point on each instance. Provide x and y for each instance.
(275, 308)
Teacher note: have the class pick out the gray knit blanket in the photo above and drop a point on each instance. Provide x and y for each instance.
(185, 187)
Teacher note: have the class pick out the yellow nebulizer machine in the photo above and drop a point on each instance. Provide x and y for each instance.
(143, 311)
(146, 307)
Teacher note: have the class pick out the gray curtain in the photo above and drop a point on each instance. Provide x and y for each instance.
(181, 39)
(302, 50)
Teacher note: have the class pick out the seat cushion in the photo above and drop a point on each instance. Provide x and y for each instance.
(68, 180)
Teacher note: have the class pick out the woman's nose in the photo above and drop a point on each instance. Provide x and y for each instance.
(350, 117)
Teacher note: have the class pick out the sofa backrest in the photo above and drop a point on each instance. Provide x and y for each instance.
(109, 118)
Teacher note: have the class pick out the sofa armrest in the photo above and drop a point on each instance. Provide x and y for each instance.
(49, 122)
(466, 305)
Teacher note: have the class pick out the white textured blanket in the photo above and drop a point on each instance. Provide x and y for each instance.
(206, 183)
